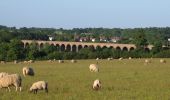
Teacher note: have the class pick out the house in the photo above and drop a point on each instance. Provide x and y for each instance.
(115, 39)
(93, 39)
(83, 39)
(103, 39)
(51, 38)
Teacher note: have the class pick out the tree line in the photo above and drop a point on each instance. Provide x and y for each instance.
(11, 47)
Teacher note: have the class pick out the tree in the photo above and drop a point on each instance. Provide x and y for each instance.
(140, 40)
(33, 51)
(3, 51)
(16, 50)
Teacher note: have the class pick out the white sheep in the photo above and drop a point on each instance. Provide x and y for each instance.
(2, 74)
(94, 68)
(147, 61)
(162, 61)
(28, 71)
(97, 58)
(50, 61)
(40, 85)
(73, 61)
(130, 58)
(15, 61)
(25, 62)
(96, 84)
(121, 58)
(3, 62)
(30, 61)
(61, 61)
(11, 80)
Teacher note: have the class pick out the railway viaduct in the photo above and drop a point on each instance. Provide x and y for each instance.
(76, 46)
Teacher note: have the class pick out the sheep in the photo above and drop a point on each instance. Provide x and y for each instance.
(109, 59)
(96, 84)
(94, 67)
(2, 74)
(61, 61)
(97, 58)
(11, 80)
(73, 61)
(162, 61)
(3, 62)
(49, 60)
(130, 58)
(40, 85)
(147, 61)
(25, 62)
(121, 58)
(15, 61)
(30, 61)
(28, 71)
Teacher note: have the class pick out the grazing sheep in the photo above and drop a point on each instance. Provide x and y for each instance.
(147, 61)
(73, 61)
(25, 62)
(28, 71)
(3, 62)
(30, 61)
(108, 59)
(2, 74)
(121, 58)
(11, 80)
(15, 61)
(130, 58)
(97, 58)
(61, 61)
(96, 84)
(162, 61)
(94, 68)
(40, 85)
(50, 61)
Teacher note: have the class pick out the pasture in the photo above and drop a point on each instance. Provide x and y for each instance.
(121, 80)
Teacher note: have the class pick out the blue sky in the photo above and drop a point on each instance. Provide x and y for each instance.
(85, 13)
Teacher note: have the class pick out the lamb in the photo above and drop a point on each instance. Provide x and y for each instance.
(94, 67)
(162, 61)
(40, 85)
(96, 84)
(11, 80)
(28, 71)
(2, 74)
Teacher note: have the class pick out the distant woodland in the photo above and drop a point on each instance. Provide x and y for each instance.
(11, 47)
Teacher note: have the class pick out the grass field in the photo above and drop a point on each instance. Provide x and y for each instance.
(121, 80)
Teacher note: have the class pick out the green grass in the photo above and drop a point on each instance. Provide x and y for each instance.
(121, 80)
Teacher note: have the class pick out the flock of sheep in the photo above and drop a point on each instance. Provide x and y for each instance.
(7, 80)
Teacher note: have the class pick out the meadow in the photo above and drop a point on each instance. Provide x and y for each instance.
(121, 80)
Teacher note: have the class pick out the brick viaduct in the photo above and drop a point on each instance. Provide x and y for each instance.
(76, 46)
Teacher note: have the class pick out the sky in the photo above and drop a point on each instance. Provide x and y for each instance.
(70, 14)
